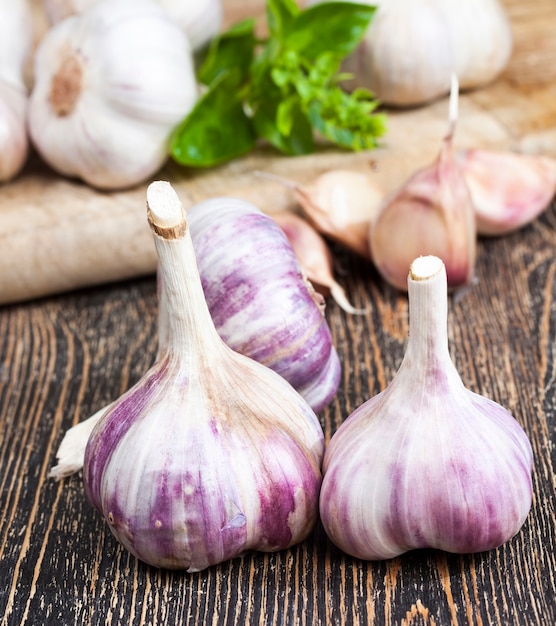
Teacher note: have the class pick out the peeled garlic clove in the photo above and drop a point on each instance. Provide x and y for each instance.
(314, 257)
(258, 298)
(13, 130)
(426, 463)
(210, 454)
(432, 214)
(508, 190)
(110, 86)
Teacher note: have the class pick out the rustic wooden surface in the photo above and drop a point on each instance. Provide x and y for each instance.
(64, 356)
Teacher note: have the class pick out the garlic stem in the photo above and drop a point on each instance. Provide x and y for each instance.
(185, 302)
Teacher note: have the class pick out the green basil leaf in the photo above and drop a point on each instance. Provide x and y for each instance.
(233, 49)
(279, 15)
(333, 27)
(298, 141)
(217, 129)
(359, 136)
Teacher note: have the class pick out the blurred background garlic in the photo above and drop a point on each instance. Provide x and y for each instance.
(110, 86)
(16, 36)
(411, 48)
(200, 20)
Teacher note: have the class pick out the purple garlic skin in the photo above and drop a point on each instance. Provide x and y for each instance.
(210, 454)
(231, 485)
(426, 463)
(260, 303)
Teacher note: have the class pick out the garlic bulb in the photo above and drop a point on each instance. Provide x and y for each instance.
(210, 454)
(258, 298)
(201, 20)
(432, 213)
(508, 190)
(411, 48)
(261, 304)
(16, 40)
(426, 463)
(110, 86)
(13, 130)
(16, 37)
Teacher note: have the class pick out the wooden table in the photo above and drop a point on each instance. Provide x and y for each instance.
(64, 356)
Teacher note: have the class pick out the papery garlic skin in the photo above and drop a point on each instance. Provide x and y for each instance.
(210, 454)
(411, 48)
(258, 298)
(426, 463)
(508, 190)
(110, 86)
(200, 20)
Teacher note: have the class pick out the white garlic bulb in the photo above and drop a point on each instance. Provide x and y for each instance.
(16, 37)
(110, 86)
(13, 130)
(411, 48)
(200, 20)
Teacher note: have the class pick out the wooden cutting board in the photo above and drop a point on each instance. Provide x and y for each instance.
(58, 234)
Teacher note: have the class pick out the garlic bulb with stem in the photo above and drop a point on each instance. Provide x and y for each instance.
(200, 20)
(260, 301)
(411, 48)
(110, 86)
(508, 189)
(432, 213)
(210, 454)
(314, 257)
(340, 204)
(426, 463)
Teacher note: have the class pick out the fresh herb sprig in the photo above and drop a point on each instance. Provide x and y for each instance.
(282, 88)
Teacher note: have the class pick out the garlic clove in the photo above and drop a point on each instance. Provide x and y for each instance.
(314, 257)
(431, 214)
(508, 190)
(14, 144)
(110, 86)
(384, 493)
(340, 204)
(210, 454)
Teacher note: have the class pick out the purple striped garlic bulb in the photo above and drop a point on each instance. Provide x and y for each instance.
(426, 463)
(210, 454)
(259, 300)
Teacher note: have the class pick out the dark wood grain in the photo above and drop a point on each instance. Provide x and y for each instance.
(64, 357)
